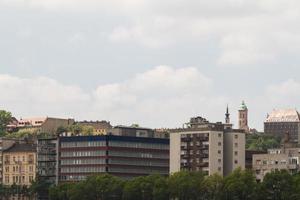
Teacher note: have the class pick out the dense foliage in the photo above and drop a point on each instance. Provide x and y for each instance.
(240, 185)
(261, 142)
(5, 118)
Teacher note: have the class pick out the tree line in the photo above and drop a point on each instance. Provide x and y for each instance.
(240, 185)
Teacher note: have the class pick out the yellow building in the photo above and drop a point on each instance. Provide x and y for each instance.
(19, 164)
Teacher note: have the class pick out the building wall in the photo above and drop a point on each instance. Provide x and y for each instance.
(276, 159)
(175, 143)
(51, 124)
(279, 129)
(4, 144)
(234, 151)
(216, 152)
(19, 168)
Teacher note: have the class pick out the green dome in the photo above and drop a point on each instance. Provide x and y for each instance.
(243, 106)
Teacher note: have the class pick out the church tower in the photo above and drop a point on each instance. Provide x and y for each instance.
(243, 117)
(227, 124)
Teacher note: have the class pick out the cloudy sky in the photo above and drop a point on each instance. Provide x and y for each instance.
(152, 62)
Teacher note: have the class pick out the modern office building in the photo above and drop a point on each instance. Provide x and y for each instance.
(123, 156)
(283, 121)
(19, 164)
(207, 147)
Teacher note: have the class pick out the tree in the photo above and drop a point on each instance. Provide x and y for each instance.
(101, 187)
(185, 185)
(5, 118)
(240, 185)
(212, 187)
(87, 130)
(61, 192)
(278, 185)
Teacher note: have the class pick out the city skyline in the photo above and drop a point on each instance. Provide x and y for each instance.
(149, 62)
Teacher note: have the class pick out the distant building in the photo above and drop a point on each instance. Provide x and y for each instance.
(4, 144)
(249, 157)
(19, 164)
(276, 159)
(44, 124)
(161, 133)
(132, 131)
(207, 147)
(123, 156)
(283, 121)
(243, 117)
(99, 127)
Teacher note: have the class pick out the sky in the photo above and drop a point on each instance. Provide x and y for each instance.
(151, 62)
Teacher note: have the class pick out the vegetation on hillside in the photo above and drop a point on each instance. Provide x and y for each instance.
(261, 142)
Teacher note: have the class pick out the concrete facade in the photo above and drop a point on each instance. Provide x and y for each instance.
(210, 148)
(276, 159)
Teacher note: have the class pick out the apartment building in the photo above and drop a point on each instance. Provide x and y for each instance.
(207, 147)
(132, 131)
(123, 156)
(19, 164)
(276, 159)
(4, 144)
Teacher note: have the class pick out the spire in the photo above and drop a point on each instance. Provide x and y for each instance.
(227, 116)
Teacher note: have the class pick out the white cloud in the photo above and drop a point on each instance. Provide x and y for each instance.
(162, 96)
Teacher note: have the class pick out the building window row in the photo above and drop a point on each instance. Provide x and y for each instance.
(82, 161)
(83, 144)
(89, 169)
(137, 170)
(139, 145)
(139, 162)
(82, 153)
(133, 154)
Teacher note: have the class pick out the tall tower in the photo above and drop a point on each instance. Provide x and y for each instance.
(243, 117)
(227, 124)
(227, 116)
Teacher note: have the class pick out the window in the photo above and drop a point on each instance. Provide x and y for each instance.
(235, 161)
(236, 144)
(220, 135)
(219, 160)
(219, 169)
(236, 153)
(236, 136)
(219, 143)
(219, 151)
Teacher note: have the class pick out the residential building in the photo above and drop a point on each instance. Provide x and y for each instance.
(46, 164)
(123, 156)
(19, 164)
(207, 147)
(42, 124)
(283, 121)
(132, 131)
(276, 159)
(99, 127)
(243, 117)
(249, 157)
(4, 144)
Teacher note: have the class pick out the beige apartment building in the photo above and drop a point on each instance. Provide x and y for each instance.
(4, 144)
(207, 147)
(19, 164)
(276, 159)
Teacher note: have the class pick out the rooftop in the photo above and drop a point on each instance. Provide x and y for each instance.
(21, 147)
(283, 115)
